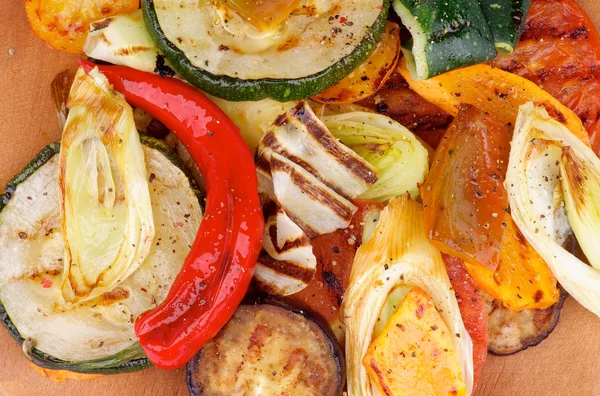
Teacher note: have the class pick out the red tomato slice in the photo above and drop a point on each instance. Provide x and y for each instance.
(560, 51)
(472, 310)
(335, 254)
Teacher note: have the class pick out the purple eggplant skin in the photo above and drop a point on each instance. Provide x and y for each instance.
(511, 332)
(268, 328)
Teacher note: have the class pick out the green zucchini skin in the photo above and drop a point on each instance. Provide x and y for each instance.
(505, 19)
(40, 159)
(282, 90)
(128, 360)
(172, 156)
(453, 33)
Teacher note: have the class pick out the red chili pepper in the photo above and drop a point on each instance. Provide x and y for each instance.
(218, 270)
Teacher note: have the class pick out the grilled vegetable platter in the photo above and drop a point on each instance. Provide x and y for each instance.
(376, 197)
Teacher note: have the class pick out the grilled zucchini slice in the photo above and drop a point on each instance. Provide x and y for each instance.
(95, 336)
(218, 51)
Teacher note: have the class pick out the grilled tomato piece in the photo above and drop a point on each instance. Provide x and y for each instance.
(64, 24)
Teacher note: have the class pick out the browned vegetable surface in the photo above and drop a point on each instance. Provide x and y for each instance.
(367, 78)
(396, 100)
(511, 331)
(268, 349)
(335, 254)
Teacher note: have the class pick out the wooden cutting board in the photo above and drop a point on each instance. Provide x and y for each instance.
(567, 363)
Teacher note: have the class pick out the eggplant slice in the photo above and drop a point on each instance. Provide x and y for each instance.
(268, 349)
(511, 331)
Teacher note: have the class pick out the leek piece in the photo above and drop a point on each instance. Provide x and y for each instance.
(551, 169)
(398, 255)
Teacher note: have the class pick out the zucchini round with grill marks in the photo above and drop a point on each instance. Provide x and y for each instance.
(94, 336)
(216, 49)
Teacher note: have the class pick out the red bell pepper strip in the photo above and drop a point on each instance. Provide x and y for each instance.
(218, 270)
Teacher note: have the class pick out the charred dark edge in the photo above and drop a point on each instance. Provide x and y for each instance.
(102, 24)
(314, 191)
(333, 285)
(310, 232)
(288, 245)
(319, 131)
(262, 163)
(574, 176)
(540, 30)
(270, 208)
(386, 389)
(286, 268)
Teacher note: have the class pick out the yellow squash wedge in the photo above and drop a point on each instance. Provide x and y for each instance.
(522, 279)
(416, 347)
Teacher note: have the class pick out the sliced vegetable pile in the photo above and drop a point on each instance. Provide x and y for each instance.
(218, 269)
(370, 187)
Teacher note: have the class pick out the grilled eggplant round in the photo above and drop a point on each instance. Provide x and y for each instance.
(513, 331)
(269, 348)
(95, 336)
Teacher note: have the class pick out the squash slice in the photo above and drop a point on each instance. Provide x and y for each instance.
(371, 75)
(522, 280)
(416, 347)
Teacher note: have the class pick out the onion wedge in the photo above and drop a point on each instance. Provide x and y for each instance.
(547, 162)
(306, 180)
(106, 211)
(402, 160)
